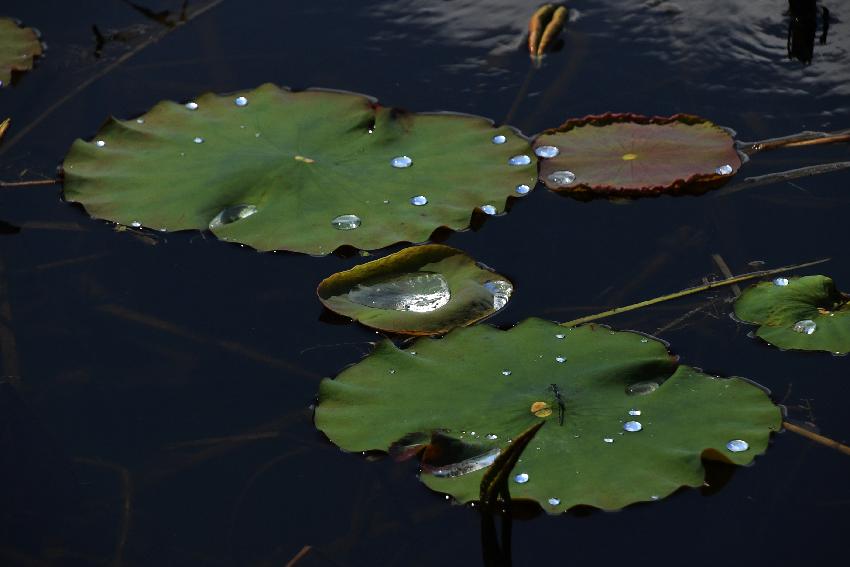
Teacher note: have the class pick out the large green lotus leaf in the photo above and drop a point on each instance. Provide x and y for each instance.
(18, 47)
(634, 155)
(804, 313)
(307, 171)
(481, 385)
(422, 290)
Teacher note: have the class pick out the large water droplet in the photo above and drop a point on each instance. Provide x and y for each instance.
(641, 388)
(806, 326)
(521, 478)
(546, 151)
(198, 140)
(522, 189)
(499, 139)
(554, 501)
(232, 214)
(501, 291)
(737, 445)
(488, 209)
(521, 159)
(192, 105)
(100, 143)
(419, 200)
(467, 465)
(419, 292)
(346, 222)
(781, 282)
(632, 426)
(724, 169)
(562, 177)
(401, 161)
(240, 101)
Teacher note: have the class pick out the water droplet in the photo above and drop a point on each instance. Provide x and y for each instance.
(346, 222)
(560, 359)
(140, 120)
(806, 326)
(488, 209)
(521, 159)
(521, 478)
(100, 143)
(654, 497)
(506, 372)
(419, 200)
(608, 440)
(492, 436)
(554, 501)
(560, 336)
(136, 224)
(641, 388)
(632, 426)
(420, 292)
(634, 412)
(465, 466)
(198, 140)
(192, 105)
(499, 139)
(401, 162)
(501, 291)
(392, 370)
(644, 340)
(522, 189)
(782, 282)
(737, 445)
(240, 101)
(546, 151)
(562, 177)
(413, 352)
(231, 214)
(724, 169)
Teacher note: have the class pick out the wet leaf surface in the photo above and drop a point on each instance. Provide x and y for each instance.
(634, 155)
(18, 47)
(308, 172)
(801, 313)
(422, 290)
(636, 425)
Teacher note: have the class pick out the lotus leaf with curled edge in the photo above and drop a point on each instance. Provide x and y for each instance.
(631, 155)
(421, 290)
(307, 171)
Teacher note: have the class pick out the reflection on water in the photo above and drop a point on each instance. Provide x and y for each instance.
(802, 27)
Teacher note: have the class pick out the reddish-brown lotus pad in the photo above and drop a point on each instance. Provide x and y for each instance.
(633, 155)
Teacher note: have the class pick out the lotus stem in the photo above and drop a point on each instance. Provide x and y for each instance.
(689, 291)
(495, 480)
(28, 183)
(805, 138)
(787, 175)
(3, 127)
(811, 435)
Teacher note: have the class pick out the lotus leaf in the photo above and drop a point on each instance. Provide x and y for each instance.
(635, 424)
(308, 172)
(634, 155)
(18, 47)
(803, 313)
(422, 290)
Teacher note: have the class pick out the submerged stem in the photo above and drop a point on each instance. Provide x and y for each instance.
(689, 291)
(811, 435)
(787, 175)
(805, 138)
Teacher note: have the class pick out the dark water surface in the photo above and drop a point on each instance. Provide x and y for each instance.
(175, 373)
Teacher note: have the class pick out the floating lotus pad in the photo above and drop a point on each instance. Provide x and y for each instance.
(18, 47)
(307, 171)
(422, 290)
(803, 313)
(634, 155)
(635, 428)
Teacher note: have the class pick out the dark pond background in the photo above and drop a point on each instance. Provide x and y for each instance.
(175, 373)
